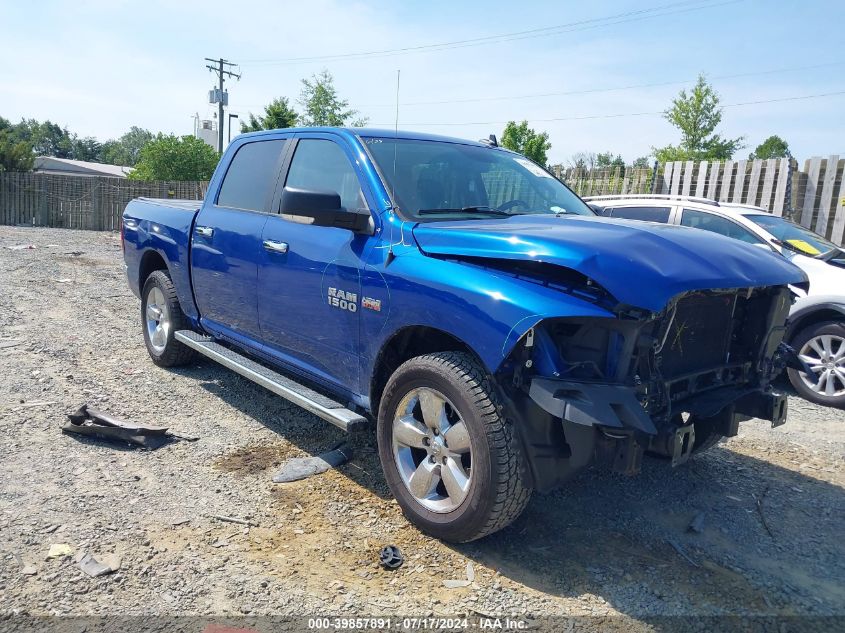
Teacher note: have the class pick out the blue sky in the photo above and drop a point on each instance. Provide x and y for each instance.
(99, 67)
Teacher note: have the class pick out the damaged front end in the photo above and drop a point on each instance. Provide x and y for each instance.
(608, 390)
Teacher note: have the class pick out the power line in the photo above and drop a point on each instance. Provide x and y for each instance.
(581, 25)
(583, 91)
(604, 89)
(632, 114)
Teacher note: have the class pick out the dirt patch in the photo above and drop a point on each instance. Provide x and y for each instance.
(285, 495)
(254, 459)
(82, 260)
(312, 541)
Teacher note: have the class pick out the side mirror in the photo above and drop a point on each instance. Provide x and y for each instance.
(321, 208)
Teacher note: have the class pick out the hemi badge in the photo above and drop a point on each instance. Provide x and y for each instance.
(372, 304)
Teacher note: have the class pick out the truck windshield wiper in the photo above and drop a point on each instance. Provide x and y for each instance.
(478, 209)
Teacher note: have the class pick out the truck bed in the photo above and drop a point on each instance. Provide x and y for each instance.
(161, 226)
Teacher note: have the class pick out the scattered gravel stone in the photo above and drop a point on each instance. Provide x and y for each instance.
(599, 545)
(59, 550)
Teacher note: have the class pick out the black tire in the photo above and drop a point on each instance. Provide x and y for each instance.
(497, 494)
(174, 353)
(833, 328)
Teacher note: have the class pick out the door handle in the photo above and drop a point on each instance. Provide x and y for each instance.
(276, 247)
(205, 231)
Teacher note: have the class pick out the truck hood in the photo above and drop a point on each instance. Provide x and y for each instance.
(641, 264)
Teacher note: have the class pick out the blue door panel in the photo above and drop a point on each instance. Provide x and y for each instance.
(225, 268)
(296, 316)
(298, 321)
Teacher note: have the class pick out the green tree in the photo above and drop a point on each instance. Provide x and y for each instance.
(607, 159)
(51, 139)
(15, 155)
(697, 115)
(323, 106)
(87, 148)
(520, 138)
(772, 147)
(126, 150)
(174, 158)
(46, 139)
(642, 161)
(277, 114)
(583, 160)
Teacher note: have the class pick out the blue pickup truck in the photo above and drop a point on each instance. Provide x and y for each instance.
(499, 334)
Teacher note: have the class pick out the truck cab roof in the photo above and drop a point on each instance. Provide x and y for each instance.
(371, 132)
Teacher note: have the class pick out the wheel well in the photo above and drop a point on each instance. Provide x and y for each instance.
(406, 344)
(817, 316)
(150, 262)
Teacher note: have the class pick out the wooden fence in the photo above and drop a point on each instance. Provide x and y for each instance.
(80, 202)
(606, 181)
(814, 196)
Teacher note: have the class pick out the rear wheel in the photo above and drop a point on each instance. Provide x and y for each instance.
(162, 317)
(448, 452)
(822, 347)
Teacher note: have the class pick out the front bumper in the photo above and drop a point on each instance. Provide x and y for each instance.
(617, 406)
(591, 404)
(622, 430)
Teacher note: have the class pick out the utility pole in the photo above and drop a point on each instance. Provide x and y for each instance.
(222, 71)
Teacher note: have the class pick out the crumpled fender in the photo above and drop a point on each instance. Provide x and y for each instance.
(641, 264)
(488, 310)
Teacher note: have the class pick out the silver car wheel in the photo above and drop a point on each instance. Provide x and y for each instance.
(825, 354)
(432, 450)
(158, 319)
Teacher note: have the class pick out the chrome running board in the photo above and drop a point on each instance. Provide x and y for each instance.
(281, 385)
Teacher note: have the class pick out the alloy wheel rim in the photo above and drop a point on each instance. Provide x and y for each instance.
(157, 319)
(825, 355)
(432, 450)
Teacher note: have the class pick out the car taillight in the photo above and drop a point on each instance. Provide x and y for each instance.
(122, 237)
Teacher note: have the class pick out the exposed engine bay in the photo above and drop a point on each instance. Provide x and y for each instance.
(666, 383)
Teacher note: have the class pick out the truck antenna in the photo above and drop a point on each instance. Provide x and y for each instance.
(395, 138)
(390, 254)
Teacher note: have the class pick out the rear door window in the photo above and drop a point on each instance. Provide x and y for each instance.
(718, 224)
(646, 214)
(251, 177)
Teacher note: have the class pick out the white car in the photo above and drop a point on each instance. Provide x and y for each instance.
(817, 321)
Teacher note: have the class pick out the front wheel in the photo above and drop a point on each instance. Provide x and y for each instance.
(449, 454)
(822, 347)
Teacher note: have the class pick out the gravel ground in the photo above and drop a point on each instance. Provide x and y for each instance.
(772, 500)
